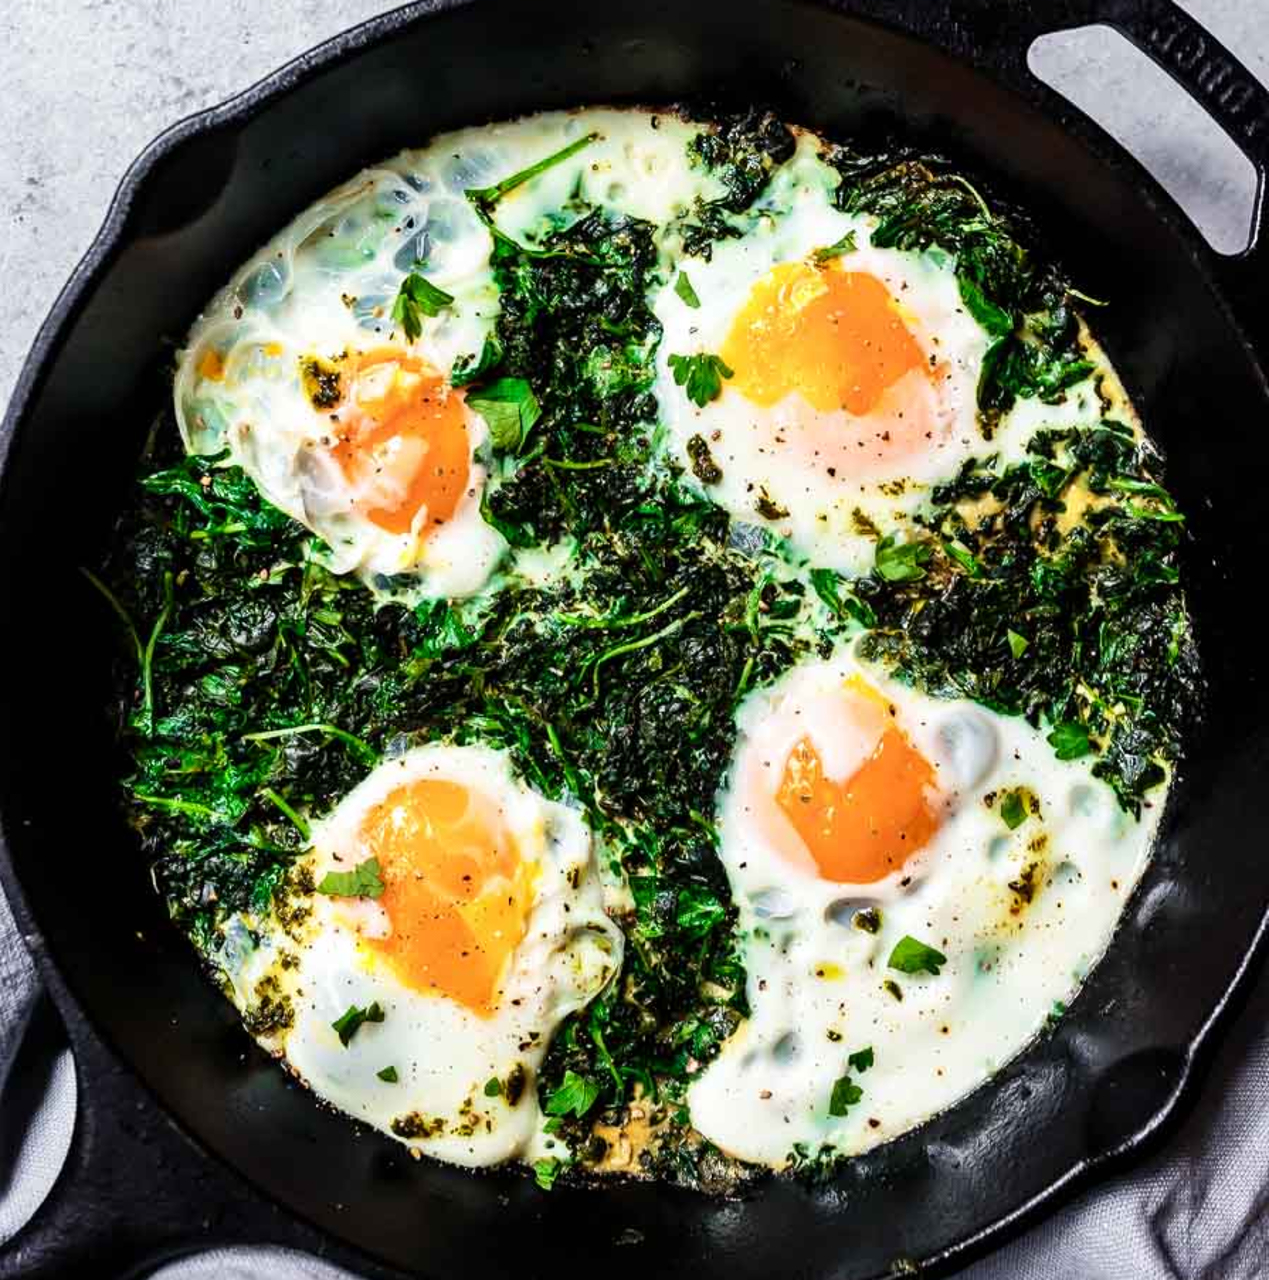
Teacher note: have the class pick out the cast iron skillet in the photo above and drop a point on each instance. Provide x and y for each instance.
(1185, 331)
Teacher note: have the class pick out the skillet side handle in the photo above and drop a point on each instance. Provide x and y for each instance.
(133, 1191)
(1239, 103)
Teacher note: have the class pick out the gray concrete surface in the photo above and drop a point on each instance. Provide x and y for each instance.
(84, 84)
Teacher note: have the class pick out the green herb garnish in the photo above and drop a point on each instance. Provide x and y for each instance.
(901, 561)
(701, 376)
(1070, 740)
(683, 287)
(415, 299)
(509, 409)
(911, 956)
(362, 881)
(846, 1093)
(835, 250)
(350, 1023)
(576, 1095)
(1013, 811)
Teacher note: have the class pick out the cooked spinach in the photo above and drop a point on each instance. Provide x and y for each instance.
(256, 686)
(741, 151)
(1076, 549)
(615, 684)
(1021, 299)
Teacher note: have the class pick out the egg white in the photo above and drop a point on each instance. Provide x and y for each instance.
(817, 982)
(325, 285)
(443, 1053)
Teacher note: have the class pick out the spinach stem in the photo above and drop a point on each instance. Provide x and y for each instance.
(175, 805)
(567, 464)
(297, 820)
(491, 195)
(123, 615)
(630, 620)
(147, 662)
(634, 645)
(351, 740)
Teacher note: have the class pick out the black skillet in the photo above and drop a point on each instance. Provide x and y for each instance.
(1187, 329)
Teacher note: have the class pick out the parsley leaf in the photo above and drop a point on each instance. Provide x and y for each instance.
(698, 910)
(1017, 644)
(388, 1075)
(361, 882)
(845, 245)
(701, 376)
(911, 956)
(683, 287)
(417, 298)
(575, 1095)
(831, 588)
(844, 1096)
(1013, 811)
(471, 368)
(349, 1024)
(493, 1087)
(995, 319)
(861, 1059)
(963, 556)
(1070, 740)
(901, 561)
(509, 409)
(545, 1172)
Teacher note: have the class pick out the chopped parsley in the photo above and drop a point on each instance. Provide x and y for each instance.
(576, 1095)
(1070, 740)
(362, 881)
(509, 409)
(417, 298)
(683, 287)
(351, 1022)
(901, 561)
(846, 1093)
(911, 956)
(388, 1075)
(701, 376)
(1013, 810)
(845, 245)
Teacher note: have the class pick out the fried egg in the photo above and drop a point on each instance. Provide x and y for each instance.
(301, 373)
(849, 373)
(857, 814)
(420, 995)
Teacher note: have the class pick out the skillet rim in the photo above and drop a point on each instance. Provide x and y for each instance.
(895, 17)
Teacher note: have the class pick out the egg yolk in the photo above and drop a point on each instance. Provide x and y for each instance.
(402, 441)
(861, 829)
(455, 890)
(833, 335)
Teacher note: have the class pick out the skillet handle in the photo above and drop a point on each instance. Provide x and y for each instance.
(134, 1192)
(1229, 93)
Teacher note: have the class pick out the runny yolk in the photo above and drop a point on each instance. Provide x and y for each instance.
(833, 335)
(862, 829)
(455, 890)
(402, 438)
